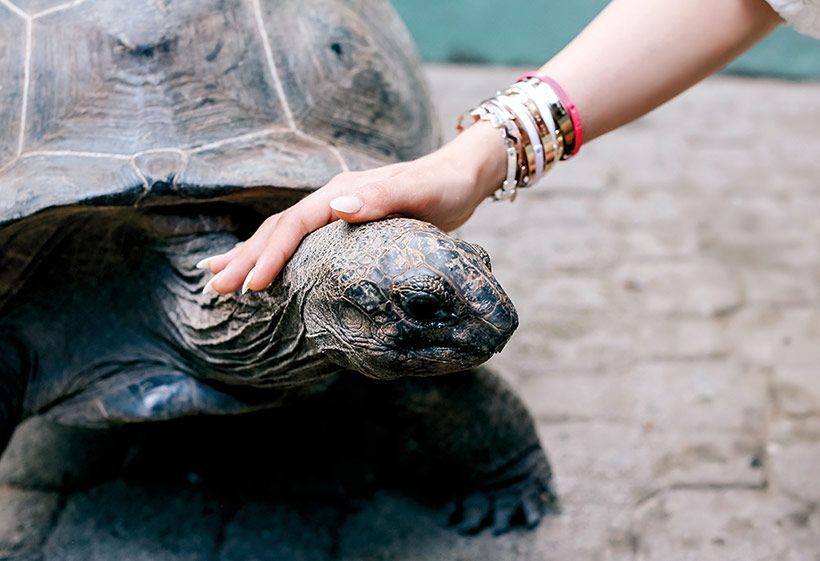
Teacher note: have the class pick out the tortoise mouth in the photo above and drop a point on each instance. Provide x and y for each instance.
(451, 351)
(477, 345)
(423, 360)
(448, 357)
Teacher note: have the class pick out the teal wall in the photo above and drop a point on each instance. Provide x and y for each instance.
(527, 32)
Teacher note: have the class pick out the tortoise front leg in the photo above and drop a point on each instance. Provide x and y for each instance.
(14, 366)
(474, 435)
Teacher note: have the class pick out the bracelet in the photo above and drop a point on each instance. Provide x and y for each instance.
(503, 115)
(578, 129)
(508, 188)
(560, 114)
(551, 137)
(539, 126)
(523, 119)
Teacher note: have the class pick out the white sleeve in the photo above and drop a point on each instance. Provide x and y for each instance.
(803, 15)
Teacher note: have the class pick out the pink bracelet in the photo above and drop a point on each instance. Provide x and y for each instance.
(571, 108)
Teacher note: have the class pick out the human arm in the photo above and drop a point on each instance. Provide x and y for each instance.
(634, 56)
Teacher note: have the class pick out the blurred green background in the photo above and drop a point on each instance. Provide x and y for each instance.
(527, 32)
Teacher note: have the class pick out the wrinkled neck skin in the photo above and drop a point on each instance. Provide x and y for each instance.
(258, 339)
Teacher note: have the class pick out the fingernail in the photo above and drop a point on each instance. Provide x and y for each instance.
(209, 287)
(204, 263)
(248, 280)
(347, 204)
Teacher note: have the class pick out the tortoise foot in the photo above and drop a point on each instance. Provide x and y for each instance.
(518, 503)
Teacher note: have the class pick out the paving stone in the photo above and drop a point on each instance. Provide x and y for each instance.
(573, 293)
(587, 532)
(797, 391)
(557, 248)
(699, 288)
(273, 532)
(555, 208)
(664, 338)
(779, 286)
(559, 397)
(594, 175)
(762, 335)
(794, 454)
(676, 240)
(661, 166)
(700, 395)
(630, 207)
(599, 463)
(705, 458)
(561, 341)
(763, 231)
(724, 525)
(25, 519)
(137, 523)
(802, 349)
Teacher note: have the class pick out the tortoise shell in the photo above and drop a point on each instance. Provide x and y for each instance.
(135, 104)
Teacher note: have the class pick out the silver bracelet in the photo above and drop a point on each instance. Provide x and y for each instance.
(491, 114)
(523, 116)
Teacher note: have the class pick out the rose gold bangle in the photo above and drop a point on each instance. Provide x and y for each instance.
(562, 118)
(544, 122)
(551, 137)
(532, 144)
(577, 135)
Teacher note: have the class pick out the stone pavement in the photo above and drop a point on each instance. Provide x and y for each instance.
(666, 282)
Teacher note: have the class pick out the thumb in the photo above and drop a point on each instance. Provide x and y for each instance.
(372, 201)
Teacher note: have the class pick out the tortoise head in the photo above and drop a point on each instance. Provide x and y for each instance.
(401, 298)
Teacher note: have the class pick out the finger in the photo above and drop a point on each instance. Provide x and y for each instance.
(372, 201)
(292, 227)
(310, 213)
(216, 263)
(407, 193)
(238, 267)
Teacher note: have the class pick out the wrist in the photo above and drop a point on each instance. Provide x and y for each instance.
(479, 151)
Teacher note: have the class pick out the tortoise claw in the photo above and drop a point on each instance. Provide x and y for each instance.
(523, 503)
(506, 507)
(474, 513)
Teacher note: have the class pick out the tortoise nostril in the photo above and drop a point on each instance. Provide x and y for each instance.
(424, 307)
(504, 318)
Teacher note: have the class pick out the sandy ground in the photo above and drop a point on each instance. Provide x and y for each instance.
(667, 284)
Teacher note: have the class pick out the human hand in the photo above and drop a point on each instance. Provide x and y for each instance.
(442, 188)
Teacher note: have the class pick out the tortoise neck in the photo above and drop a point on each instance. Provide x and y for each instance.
(255, 339)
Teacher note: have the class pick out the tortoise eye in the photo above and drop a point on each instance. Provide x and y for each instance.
(425, 307)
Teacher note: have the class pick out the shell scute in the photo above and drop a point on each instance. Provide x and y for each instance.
(12, 76)
(102, 82)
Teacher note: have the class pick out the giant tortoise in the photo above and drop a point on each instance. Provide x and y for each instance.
(138, 137)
